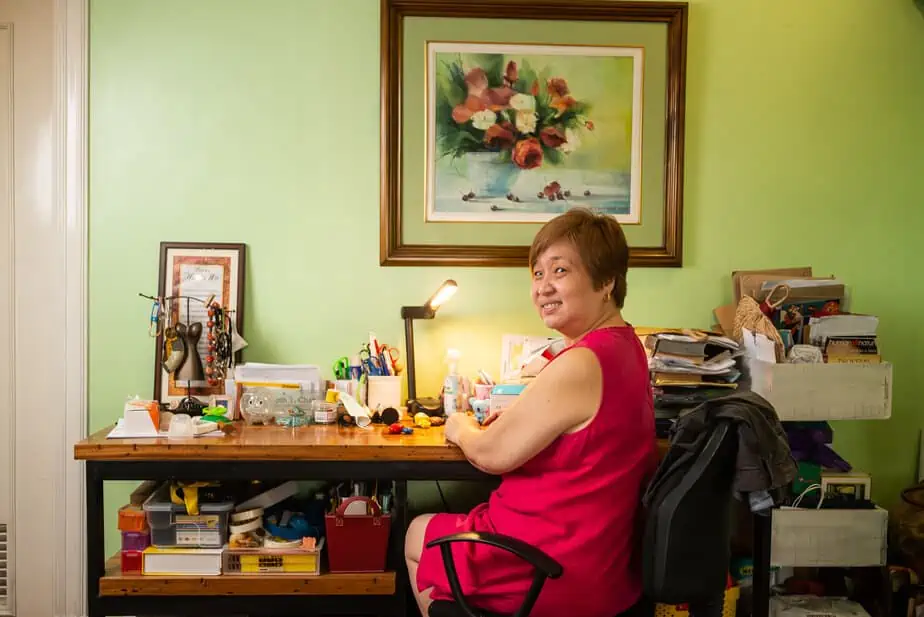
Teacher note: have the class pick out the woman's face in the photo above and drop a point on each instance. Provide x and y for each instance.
(563, 291)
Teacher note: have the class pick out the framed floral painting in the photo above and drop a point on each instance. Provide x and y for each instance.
(498, 116)
(508, 141)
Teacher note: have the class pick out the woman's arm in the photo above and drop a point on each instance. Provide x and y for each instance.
(564, 395)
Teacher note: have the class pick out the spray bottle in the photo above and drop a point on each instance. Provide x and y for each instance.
(452, 385)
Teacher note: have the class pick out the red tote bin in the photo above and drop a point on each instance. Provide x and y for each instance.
(357, 543)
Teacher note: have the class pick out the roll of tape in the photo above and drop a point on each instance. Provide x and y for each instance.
(246, 515)
(253, 525)
(274, 543)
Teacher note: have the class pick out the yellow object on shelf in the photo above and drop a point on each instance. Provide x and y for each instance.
(729, 606)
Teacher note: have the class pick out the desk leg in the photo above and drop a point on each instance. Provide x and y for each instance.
(399, 524)
(762, 538)
(96, 561)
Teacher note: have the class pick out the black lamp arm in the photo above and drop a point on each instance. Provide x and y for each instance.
(417, 312)
(409, 314)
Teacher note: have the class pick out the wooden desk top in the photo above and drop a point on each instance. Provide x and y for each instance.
(329, 442)
(274, 443)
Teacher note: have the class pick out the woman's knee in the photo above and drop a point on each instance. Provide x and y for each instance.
(416, 534)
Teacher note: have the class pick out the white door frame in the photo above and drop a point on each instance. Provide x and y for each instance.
(50, 297)
(71, 51)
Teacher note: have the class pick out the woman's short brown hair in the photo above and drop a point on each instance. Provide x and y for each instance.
(599, 241)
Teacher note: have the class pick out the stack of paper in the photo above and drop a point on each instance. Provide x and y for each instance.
(688, 369)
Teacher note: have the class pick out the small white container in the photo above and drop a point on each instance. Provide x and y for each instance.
(384, 391)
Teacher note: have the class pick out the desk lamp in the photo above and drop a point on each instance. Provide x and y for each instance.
(409, 314)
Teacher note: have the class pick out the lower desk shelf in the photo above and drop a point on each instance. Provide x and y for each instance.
(115, 584)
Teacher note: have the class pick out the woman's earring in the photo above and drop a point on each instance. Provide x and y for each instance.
(606, 297)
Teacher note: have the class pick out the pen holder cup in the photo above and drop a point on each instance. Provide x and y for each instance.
(384, 392)
(357, 543)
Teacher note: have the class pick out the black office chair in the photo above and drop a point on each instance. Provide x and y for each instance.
(686, 548)
(544, 567)
(685, 543)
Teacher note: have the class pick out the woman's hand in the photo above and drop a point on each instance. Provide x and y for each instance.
(492, 417)
(457, 424)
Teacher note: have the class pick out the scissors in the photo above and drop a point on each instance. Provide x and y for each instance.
(371, 361)
(392, 356)
(342, 368)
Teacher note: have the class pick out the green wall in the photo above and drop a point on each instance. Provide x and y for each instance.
(257, 122)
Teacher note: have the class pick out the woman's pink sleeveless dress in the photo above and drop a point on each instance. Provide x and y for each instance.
(578, 500)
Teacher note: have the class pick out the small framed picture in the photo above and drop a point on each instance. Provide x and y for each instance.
(191, 275)
(223, 400)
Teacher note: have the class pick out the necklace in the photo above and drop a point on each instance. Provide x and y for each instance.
(218, 360)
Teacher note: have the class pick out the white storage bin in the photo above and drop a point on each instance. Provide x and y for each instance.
(824, 391)
(829, 537)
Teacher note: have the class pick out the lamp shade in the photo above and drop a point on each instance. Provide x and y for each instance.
(444, 293)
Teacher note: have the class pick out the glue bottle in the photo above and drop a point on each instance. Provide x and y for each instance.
(452, 385)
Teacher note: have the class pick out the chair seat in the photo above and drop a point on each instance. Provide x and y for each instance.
(442, 608)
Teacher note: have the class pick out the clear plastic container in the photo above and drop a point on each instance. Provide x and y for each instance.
(323, 412)
(132, 562)
(135, 541)
(171, 526)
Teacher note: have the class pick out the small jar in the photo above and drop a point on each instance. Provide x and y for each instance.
(324, 412)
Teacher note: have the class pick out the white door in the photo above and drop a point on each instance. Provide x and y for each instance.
(42, 281)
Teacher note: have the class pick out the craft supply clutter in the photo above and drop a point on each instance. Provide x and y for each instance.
(253, 528)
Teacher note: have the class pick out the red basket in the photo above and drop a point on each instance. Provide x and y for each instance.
(357, 543)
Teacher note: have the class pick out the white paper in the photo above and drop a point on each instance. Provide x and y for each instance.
(120, 432)
(515, 349)
(359, 413)
(758, 346)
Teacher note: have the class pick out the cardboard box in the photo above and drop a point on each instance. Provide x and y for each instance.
(823, 392)
(835, 537)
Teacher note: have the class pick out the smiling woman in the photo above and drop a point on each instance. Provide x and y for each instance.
(576, 447)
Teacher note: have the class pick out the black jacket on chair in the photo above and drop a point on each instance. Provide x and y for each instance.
(764, 461)
(727, 445)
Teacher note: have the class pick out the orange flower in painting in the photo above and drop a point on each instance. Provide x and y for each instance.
(589, 125)
(552, 137)
(464, 112)
(563, 104)
(527, 154)
(558, 87)
(499, 136)
(511, 74)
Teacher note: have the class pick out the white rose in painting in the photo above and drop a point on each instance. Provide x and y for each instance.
(523, 102)
(526, 121)
(483, 120)
(572, 141)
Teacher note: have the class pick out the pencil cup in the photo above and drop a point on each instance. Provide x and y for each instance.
(384, 392)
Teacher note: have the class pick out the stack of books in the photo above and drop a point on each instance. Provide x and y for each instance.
(688, 368)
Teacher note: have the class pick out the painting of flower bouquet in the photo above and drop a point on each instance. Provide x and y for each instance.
(521, 133)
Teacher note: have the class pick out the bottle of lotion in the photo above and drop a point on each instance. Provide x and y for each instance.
(452, 385)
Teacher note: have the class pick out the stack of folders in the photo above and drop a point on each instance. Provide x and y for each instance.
(688, 369)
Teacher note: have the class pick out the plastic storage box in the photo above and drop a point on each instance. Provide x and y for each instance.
(132, 562)
(171, 526)
(132, 518)
(135, 540)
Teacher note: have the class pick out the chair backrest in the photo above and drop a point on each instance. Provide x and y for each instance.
(685, 550)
